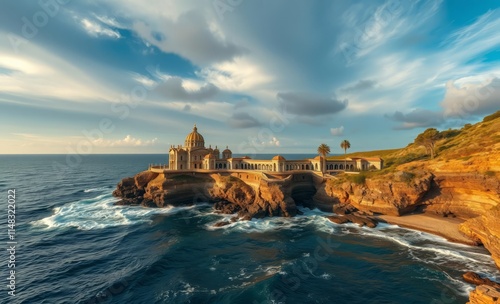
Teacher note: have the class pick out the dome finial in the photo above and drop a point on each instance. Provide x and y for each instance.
(195, 128)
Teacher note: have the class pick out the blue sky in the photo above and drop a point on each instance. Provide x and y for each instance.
(260, 76)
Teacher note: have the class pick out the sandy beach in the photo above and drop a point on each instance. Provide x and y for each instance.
(445, 227)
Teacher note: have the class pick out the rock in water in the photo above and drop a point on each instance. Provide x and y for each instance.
(338, 219)
(354, 218)
(476, 279)
(220, 224)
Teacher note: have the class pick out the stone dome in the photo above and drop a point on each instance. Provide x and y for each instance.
(194, 139)
(279, 157)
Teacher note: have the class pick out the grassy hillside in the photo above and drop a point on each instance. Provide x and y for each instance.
(473, 148)
(375, 153)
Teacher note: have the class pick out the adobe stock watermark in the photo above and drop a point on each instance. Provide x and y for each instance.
(324, 249)
(123, 107)
(279, 120)
(222, 7)
(31, 25)
(108, 293)
(366, 34)
(445, 297)
(470, 104)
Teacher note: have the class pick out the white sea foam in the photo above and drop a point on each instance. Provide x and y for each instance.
(96, 189)
(99, 212)
(314, 217)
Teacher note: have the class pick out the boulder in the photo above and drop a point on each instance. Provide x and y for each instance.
(338, 219)
(220, 224)
(476, 279)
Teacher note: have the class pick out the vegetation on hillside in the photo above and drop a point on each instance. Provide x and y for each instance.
(474, 147)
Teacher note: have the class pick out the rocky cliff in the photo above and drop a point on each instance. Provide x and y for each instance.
(395, 194)
(484, 294)
(258, 198)
(486, 230)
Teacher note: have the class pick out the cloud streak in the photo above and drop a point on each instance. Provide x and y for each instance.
(242, 120)
(309, 104)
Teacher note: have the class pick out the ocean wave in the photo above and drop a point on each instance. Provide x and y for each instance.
(97, 189)
(313, 217)
(99, 213)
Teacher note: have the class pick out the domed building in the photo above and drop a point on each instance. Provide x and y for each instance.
(193, 155)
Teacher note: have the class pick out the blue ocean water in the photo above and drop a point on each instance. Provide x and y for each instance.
(74, 246)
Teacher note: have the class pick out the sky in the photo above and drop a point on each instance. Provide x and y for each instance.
(274, 76)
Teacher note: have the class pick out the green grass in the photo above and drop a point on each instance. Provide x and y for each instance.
(492, 116)
(375, 153)
(489, 173)
(359, 179)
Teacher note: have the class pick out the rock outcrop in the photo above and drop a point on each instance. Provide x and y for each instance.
(485, 229)
(229, 193)
(484, 294)
(465, 195)
(476, 279)
(355, 218)
(396, 194)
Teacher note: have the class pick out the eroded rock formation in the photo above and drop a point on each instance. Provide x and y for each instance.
(486, 230)
(230, 193)
(393, 195)
(484, 294)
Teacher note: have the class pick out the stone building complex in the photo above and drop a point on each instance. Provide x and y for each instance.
(195, 156)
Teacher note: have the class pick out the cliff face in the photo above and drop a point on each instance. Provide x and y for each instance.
(396, 194)
(233, 194)
(466, 195)
(484, 294)
(486, 230)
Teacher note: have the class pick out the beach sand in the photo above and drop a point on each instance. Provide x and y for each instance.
(442, 226)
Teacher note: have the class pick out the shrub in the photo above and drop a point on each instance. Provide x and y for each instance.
(489, 173)
(492, 116)
(449, 133)
(407, 177)
(359, 179)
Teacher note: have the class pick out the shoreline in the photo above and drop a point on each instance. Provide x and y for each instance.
(441, 226)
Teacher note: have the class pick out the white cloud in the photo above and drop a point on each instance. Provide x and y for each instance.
(337, 131)
(128, 141)
(95, 29)
(238, 75)
(41, 73)
(464, 99)
(109, 21)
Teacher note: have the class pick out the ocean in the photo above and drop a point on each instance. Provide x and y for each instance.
(74, 246)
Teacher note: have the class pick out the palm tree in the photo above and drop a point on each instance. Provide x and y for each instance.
(345, 144)
(323, 150)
